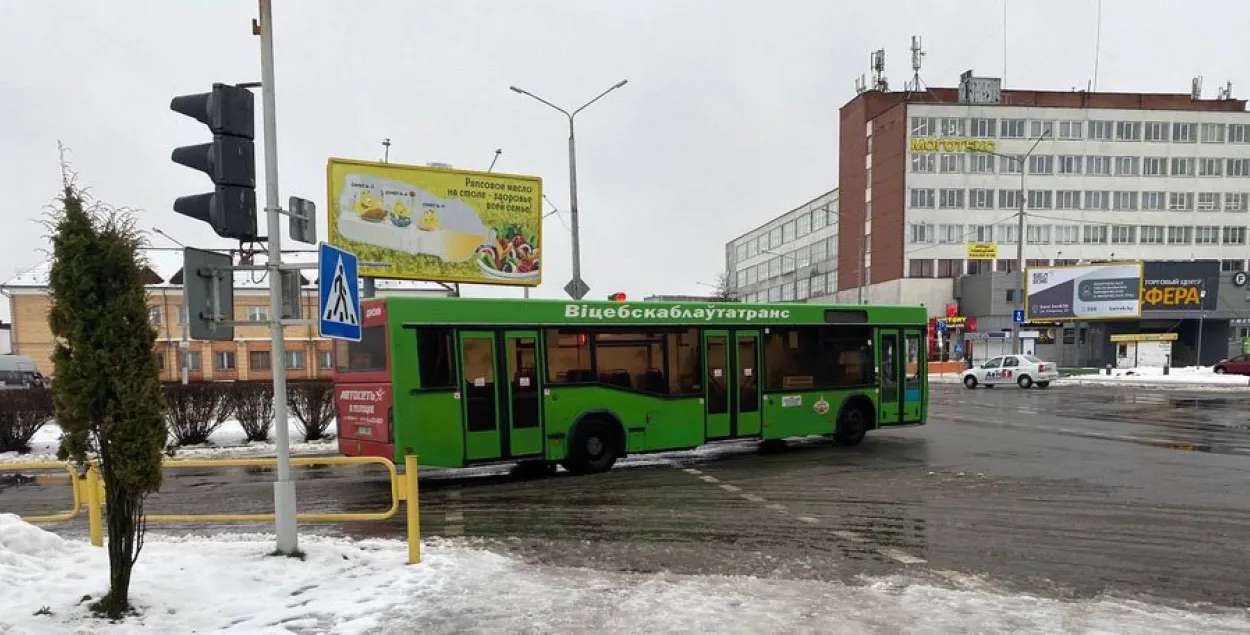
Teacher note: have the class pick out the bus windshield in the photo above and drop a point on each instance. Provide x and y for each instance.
(367, 355)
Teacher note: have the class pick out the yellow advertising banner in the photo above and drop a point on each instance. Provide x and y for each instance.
(1145, 337)
(931, 144)
(438, 224)
(982, 251)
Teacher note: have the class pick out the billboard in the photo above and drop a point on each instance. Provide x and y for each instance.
(1181, 285)
(1083, 292)
(426, 223)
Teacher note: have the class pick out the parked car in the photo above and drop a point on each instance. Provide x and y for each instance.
(18, 371)
(1023, 370)
(1239, 365)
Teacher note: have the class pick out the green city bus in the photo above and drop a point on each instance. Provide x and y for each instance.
(461, 381)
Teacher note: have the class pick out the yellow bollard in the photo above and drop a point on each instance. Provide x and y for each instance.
(95, 523)
(413, 510)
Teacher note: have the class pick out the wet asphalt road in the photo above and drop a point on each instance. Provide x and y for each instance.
(1066, 492)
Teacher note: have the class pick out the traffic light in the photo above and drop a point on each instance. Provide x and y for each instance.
(229, 160)
(616, 297)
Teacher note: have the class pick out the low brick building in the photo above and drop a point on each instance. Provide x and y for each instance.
(247, 357)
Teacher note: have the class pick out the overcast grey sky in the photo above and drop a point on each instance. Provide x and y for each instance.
(729, 118)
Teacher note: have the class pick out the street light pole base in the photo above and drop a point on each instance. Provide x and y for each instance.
(284, 516)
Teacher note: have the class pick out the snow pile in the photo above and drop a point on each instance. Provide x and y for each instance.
(228, 583)
(229, 440)
(1189, 376)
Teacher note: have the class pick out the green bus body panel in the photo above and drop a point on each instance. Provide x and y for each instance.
(431, 423)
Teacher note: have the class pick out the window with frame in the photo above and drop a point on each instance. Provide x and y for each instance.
(787, 292)
(1041, 199)
(630, 359)
(1070, 164)
(1235, 201)
(980, 266)
(923, 162)
(1154, 201)
(1127, 166)
(1213, 133)
(774, 294)
(1183, 166)
(1236, 265)
(831, 283)
(923, 126)
(803, 288)
(923, 198)
(1097, 199)
(1180, 201)
(1210, 167)
(787, 232)
(1180, 234)
(774, 238)
(1009, 199)
(818, 357)
(1041, 164)
(223, 360)
(980, 233)
(787, 262)
(1003, 265)
(1128, 131)
(802, 256)
(259, 360)
(981, 163)
(820, 219)
(1101, 130)
(296, 359)
(1071, 129)
(1123, 234)
(1234, 235)
(981, 127)
(1038, 234)
(154, 315)
(818, 284)
(1184, 132)
(1152, 234)
(922, 232)
(1041, 128)
(1154, 166)
(1237, 167)
(804, 224)
(1067, 234)
(1068, 199)
(1206, 235)
(436, 357)
(952, 163)
(1010, 163)
(1094, 234)
(1208, 201)
(325, 360)
(920, 268)
(948, 234)
(1124, 201)
(949, 267)
(980, 198)
(952, 126)
(950, 198)
(819, 253)
(1012, 128)
(1008, 233)
(568, 356)
(367, 355)
(774, 267)
(1238, 133)
(194, 362)
(1098, 165)
(1156, 130)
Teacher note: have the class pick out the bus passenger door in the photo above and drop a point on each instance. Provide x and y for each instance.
(915, 377)
(479, 396)
(719, 382)
(891, 363)
(747, 367)
(523, 432)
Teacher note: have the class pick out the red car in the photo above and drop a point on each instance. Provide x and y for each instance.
(1239, 365)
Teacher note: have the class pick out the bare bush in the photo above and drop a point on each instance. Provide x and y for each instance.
(252, 404)
(312, 404)
(22, 413)
(196, 410)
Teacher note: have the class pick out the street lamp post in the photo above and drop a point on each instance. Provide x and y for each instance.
(577, 254)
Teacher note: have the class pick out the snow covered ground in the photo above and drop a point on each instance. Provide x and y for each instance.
(364, 587)
(1198, 377)
(228, 441)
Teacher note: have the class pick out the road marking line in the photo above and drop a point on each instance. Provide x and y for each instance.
(778, 507)
(849, 535)
(901, 556)
(730, 488)
(454, 530)
(453, 517)
(808, 519)
(754, 498)
(709, 479)
(691, 470)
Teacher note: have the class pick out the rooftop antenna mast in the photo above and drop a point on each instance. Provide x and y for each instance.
(917, 55)
(876, 63)
(1226, 91)
(1195, 88)
(861, 85)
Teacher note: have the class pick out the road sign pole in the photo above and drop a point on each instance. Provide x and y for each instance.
(284, 487)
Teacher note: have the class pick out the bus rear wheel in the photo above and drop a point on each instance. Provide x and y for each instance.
(593, 448)
(853, 424)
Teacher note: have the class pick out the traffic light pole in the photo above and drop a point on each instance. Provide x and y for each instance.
(284, 488)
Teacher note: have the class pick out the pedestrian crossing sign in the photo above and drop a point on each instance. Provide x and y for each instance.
(338, 291)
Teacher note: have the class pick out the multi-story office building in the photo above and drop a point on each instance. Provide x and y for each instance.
(790, 258)
(1101, 176)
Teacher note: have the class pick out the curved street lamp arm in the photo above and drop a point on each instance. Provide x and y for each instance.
(614, 87)
(527, 93)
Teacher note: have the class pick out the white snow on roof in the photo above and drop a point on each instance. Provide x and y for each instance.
(166, 262)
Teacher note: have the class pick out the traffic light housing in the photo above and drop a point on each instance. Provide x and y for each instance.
(617, 297)
(229, 160)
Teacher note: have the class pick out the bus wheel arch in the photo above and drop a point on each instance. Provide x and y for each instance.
(856, 417)
(595, 442)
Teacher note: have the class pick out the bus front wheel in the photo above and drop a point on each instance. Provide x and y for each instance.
(594, 447)
(853, 424)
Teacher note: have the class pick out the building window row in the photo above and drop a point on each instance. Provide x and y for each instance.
(1096, 234)
(1119, 200)
(801, 290)
(776, 237)
(788, 262)
(955, 267)
(1079, 165)
(1079, 129)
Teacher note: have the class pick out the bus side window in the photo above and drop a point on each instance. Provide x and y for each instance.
(434, 357)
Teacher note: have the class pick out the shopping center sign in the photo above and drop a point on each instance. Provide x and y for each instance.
(1179, 286)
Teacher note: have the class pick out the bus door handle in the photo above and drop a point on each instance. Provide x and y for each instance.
(456, 395)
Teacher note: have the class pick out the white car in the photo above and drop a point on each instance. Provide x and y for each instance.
(1022, 370)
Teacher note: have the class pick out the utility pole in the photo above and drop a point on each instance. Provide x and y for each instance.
(284, 487)
(1016, 345)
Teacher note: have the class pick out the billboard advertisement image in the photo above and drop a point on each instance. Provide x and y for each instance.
(1084, 292)
(424, 223)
